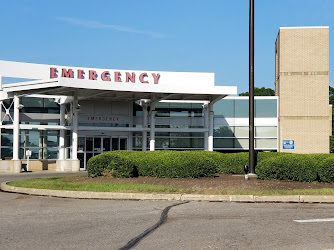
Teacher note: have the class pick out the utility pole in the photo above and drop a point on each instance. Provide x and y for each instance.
(251, 88)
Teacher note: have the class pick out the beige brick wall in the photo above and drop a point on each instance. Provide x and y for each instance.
(301, 82)
(304, 49)
(39, 165)
(303, 95)
(310, 135)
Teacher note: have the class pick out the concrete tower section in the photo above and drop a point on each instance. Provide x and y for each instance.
(302, 84)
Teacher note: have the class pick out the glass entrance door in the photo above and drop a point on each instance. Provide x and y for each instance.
(88, 146)
(119, 143)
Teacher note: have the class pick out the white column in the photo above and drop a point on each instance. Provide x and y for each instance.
(144, 134)
(75, 128)
(40, 145)
(152, 128)
(45, 149)
(61, 155)
(210, 138)
(206, 126)
(16, 129)
(130, 134)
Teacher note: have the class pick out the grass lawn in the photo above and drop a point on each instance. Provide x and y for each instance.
(56, 183)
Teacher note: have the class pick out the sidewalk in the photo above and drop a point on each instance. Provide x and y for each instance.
(175, 197)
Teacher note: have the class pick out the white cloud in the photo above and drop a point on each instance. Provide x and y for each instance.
(97, 25)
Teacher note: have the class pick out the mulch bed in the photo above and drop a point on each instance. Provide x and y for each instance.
(221, 182)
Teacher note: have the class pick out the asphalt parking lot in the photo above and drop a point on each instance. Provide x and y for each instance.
(35, 222)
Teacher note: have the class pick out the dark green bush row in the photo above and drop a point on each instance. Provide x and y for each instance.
(111, 163)
(287, 167)
(175, 164)
(195, 164)
(232, 163)
(296, 167)
(326, 170)
(165, 164)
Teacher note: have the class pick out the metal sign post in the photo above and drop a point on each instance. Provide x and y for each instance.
(28, 154)
(251, 88)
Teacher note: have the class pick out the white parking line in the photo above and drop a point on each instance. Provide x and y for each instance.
(315, 220)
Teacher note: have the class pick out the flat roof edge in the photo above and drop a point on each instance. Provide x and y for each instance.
(306, 27)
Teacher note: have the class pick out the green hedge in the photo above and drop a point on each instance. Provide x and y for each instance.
(288, 167)
(112, 163)
(326, 170)
(175, 164)
(164, 164)
(261, 156)
(299, 167)
(196, 164)
(232, 163)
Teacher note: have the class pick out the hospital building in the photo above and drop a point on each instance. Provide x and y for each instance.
(61, 116)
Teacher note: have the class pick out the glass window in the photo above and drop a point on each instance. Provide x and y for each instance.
(6, 153)
(36, 153)
(162, 113)
(241, 131)
(223, 131)
(241, 108)
(182, 113)
(222, 143)
(241, 143)
(266, 143)
(265, 131)
(224, 108)
(197, 142)
(97, 143)
(162, 134)
(266, 108)
(106, 144)
(123, 143)
(6, 140)
(161, 105)
(52, 141)
(52, 153)
(197, 134)
(162, 142)
(89, 144)
(81, 143)
(32, 102)
(50, 103)
(31, 141)
(179, 134)
(137, 142)
(180, 142)
(175, 105)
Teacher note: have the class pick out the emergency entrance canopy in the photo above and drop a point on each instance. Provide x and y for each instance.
(110, 84)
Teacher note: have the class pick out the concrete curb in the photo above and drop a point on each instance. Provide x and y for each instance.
(170, 197)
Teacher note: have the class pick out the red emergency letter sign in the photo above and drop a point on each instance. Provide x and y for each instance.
(67, 73)
(141, 77)
(53, 73)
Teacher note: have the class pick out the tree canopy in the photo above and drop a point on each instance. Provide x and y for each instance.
(331, 95)
(261, 92)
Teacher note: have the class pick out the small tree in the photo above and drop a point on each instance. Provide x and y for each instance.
(260, 92)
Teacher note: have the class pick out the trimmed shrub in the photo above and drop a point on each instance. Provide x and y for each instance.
(232, 163)
(175, 164)
(112, 163)
(261, 156)
(164, 164)
(196, 164)
(288, 167)
(326, 170)
(331, 143)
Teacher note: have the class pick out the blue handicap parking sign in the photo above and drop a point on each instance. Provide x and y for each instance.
(288, 144)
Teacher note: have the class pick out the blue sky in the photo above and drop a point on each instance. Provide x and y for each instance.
(173, 35)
